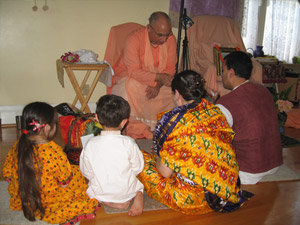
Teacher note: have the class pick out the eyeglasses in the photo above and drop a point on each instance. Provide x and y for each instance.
(161, 35)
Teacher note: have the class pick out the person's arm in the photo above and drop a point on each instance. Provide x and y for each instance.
(166, 76)
(134, 64)
(63, 173)
(10, 161)
(85, 166)
(163, 169)
(152, 92)
(164, 79)
(172, 56)
(136, 160)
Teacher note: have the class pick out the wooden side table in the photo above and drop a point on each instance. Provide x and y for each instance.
(70, 68)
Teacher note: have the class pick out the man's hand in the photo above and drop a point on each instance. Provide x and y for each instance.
(164, 78)
(152, 92)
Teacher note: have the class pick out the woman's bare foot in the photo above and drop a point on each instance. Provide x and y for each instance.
(118, 205)
(138, 204)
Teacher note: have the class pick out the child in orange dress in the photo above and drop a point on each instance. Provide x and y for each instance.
(42, 182)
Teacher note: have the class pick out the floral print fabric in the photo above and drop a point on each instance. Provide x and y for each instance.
(199, 151)
(62, 205)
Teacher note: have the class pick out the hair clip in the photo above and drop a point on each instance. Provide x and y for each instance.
(25, 132)
(36, 125)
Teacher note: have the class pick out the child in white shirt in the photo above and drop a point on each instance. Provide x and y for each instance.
(112, 161)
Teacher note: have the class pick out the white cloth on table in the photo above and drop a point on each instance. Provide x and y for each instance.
(111, 163)
(107, 73)
(86, 56)
(105, 78)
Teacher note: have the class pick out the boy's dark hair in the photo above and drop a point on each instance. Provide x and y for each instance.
(240, 62)
(111, 110)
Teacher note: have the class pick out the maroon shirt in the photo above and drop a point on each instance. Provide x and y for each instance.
(257, 141)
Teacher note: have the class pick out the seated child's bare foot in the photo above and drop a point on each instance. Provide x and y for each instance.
(138, 204)
(118, 205)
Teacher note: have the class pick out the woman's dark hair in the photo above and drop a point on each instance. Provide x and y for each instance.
(29, 176)
(111, 110)
(240, 62)
(189, 84)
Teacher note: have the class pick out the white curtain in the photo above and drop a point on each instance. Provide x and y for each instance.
(274, 24)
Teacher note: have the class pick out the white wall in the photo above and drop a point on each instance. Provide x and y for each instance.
(30, 43)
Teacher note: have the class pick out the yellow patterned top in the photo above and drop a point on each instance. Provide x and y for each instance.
(61, 204)
(200, 152)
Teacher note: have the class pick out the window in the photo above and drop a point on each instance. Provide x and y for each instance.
(274, 24)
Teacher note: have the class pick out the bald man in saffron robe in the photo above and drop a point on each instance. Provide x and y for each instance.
(144, 74)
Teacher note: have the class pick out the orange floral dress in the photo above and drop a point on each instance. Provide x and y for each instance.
(194, 141)
(62, 205)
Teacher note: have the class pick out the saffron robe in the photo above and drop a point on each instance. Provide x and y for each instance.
(136, 70)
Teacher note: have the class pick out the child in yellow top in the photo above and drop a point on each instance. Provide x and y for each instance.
(42, 182)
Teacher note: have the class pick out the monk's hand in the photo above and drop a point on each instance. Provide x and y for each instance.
(164, 78)
(152, 92)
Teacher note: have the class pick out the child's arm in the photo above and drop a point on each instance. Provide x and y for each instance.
(85, 166)
(137, 160)
(10, 164)
(59, 160)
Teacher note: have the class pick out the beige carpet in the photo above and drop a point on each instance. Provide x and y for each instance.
(283, 173)
(149, 204)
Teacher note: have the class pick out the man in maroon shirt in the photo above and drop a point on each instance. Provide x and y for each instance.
(257, 141)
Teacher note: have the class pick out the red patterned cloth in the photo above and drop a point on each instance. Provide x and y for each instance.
(78, 130)
(273, 73)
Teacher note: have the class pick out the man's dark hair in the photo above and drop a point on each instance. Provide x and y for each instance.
(240, 62)
(156, 15)
(111, 110)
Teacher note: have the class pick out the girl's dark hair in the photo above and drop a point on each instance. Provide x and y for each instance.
(111, 110)
(29, 176)
(189, 84)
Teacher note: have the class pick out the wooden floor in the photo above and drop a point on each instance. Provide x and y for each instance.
(273, 203)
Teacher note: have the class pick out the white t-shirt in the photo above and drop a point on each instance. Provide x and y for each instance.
(227, 114)
(111, 163)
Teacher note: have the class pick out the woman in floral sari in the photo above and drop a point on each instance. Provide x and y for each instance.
(194, 168)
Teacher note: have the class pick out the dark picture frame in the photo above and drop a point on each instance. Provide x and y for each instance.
(219, 54)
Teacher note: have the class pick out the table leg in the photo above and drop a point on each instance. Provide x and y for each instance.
(96, 80)
(86, 77)
(78, 90)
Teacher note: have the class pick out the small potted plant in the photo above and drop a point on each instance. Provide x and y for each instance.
(283, 105)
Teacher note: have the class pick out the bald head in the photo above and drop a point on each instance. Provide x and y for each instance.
(159, 28)
(158, 16)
